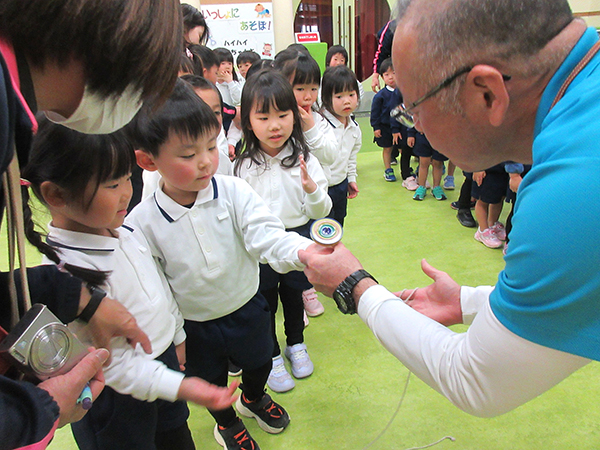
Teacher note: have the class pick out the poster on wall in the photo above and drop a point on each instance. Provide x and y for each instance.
(240, 27)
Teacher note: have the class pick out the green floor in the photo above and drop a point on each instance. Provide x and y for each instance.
(357, 385)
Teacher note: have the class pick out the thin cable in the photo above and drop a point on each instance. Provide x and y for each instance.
(400, 404)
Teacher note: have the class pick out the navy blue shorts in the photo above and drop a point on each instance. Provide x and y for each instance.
(493, 188)
(386, 139)
(423, 148)
(243, 336)
(118, 421)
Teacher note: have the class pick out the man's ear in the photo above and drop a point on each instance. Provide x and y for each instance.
(145, 161)
(487, 98)
(53, 194)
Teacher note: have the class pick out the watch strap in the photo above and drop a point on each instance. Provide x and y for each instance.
(97, 295)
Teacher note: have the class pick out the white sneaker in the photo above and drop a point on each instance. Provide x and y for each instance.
(499, 231)
(279, 379)
(488, 238)
(312, 305)
(410, 184)
(302, 366)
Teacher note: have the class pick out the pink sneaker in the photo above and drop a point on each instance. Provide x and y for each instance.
(410, 184)
(312, 305)
(488, 238)
(499, 230)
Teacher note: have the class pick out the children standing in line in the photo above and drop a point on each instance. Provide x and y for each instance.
(340, 99)
(227, 79)
(384, 101)
(84, 182)
(304, 75)
(208, 233)
(489, 189)
(428, 156)
(277, 164)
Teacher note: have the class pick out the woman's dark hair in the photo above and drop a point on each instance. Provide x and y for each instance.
(120, 43)
(265, 90)
(225, 55)
(183, 113)
(258, 66)
(298, 67)
(193, 18)
(203, 58)
(72, 160)
(334, 50)
(247, 56)
(335, 80)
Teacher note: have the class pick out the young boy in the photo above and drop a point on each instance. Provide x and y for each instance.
(384, 101)
(245, 60)
(208, 233)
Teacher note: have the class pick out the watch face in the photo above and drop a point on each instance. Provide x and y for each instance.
(341, 302)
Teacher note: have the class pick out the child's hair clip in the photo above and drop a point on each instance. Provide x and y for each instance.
(25, 182)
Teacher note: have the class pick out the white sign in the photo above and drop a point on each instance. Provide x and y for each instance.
(240, 27)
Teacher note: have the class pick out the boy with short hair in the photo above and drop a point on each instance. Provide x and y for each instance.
(245, 60)
(208, 233)
(383, 102)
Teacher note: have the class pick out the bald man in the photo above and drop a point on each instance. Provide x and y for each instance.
(488, 82)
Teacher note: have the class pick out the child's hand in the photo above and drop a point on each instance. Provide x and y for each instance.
(515, 181)
(478, 177)
(308, 184)
(396, 138)
(352, 189)
(377, 133)
(410, 142)
(180, 350)
(225, 76)
(308, 121)
(231, 152)
(203, 393)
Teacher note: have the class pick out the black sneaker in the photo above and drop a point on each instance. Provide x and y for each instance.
(270, 416)
(235, 437)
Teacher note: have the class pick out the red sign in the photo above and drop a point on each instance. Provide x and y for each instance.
(303, 38)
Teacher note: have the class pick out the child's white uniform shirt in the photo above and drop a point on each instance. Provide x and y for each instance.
(349, 142)
(210, 252)
(281, 188)
(137, 283)
(321, 140)
(231, 92)
(225, 164)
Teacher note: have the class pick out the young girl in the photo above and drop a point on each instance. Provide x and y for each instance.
(227, 80)
(84, 182)
(304, 75)
(277, 164)
(340, 99)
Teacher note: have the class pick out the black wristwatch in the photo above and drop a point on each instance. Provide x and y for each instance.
(343, 294)
(96, 296)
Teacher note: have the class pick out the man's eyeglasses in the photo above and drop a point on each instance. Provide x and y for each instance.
(403, 114)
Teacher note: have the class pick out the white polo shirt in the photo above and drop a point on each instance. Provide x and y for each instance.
(321, 140)
(281, 188)
(136, 282)
(210, 251)
(349, 142)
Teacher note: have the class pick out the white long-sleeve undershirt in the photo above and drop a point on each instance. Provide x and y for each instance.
(486, 371)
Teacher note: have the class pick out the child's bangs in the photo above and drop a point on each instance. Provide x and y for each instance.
(194, 124)
(268, 96)
(307, 73)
